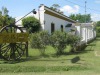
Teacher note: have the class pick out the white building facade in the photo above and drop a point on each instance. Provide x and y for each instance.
(51, 20)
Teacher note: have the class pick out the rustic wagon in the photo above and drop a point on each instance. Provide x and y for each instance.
(13, 44)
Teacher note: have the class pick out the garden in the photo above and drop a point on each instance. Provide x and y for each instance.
(55, 54)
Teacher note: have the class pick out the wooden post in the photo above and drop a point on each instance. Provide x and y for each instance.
(27, 49)
(0, 52)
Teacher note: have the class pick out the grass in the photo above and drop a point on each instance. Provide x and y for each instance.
(85, 62)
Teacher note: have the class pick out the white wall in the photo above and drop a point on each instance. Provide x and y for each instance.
(48, 19)
(86, 32)
(78, 31)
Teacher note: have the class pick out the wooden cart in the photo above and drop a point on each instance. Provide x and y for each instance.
(13, 43)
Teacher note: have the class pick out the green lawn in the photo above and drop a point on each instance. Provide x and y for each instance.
(86, 62)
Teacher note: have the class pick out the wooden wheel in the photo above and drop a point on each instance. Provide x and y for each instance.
(12, 51)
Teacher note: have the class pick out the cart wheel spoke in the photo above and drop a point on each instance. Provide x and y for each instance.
(5, 53)
(19, 53)
(20, 48)
(4, 46)
(5, 50)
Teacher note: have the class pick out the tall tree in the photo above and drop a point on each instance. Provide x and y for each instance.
(81, 18)
(31, 24)
(98, 23)
(73, 16)
(56, 7)
(98, 28)
(4, 11)
(5, 19)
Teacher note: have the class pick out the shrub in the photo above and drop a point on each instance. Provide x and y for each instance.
(97, 34)
(39, 40)
(58, 40)
(73, 41)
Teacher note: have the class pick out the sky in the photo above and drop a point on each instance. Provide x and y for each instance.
(19, 8)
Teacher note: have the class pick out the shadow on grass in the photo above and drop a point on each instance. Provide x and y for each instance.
(97, 39)
(10, 62)
(93, 44)
(35, 57)
(75, 59)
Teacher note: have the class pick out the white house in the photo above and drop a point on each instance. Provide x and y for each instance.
(51, 21)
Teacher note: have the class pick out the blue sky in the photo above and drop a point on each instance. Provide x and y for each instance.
(21, 7)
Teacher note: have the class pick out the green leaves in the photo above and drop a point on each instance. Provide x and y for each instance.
(31, 24)
(5, 19)
(73, 39)
(81, 18)
(56, 8)
(59, 41)
(39, 40)
(98, 23)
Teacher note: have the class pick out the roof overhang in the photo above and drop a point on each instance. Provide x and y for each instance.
(57, 14)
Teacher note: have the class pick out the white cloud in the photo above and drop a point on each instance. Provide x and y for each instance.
(97, 1)
(95, 17)
(68, 9)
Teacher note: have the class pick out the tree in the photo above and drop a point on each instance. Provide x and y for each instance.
(40, 40)
(59, 41)
(5, 19)
(4, 11)
(98, 28)
(98, 23)
(73, 16)
(31, 24)
(56, 7)
(73, 41)
(81, 18)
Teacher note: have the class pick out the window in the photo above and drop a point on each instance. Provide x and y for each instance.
(62, 28)
(52, 27)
